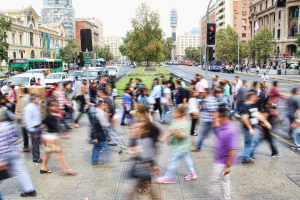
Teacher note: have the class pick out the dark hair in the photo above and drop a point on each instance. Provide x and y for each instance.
(207, 90)
(275, 83)
(254, 83)
(236, 77)
(171, 78)
(66, 84)
(25, 90)
(223, 111)
(216, 76)
(165, 82)
(294, 90)
(130, 80)
(193, 82)
(127, 88)
(162, 77)
(181, 110)
(39, 79)
(250, 94)
(178, 82)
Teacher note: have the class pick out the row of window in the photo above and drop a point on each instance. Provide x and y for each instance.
(13, 40)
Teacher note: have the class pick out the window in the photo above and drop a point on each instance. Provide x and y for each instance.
(15, 54)
(244, 6)
(294, 30)
(31, 39)
(244, 13)
(20, 39)
(260, 6)
(243, 21)
(13, 38)
(262, 21)
(272, 2)
(254, 9)
(278, 33)
(56, 1)
(268, 19)
(40, 42)
(243, 35)
(274, 17)
(243, 28)
(279, 14)
(266, 4)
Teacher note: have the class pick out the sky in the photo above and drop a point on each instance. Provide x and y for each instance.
(116, 14)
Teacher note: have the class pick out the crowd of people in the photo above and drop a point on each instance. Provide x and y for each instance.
(179, 105)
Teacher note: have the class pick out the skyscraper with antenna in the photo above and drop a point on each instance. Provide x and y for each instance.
(173, 23)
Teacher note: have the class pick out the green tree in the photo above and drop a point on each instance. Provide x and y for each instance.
(4, 27)
(262, 44)
(168, 46)
(146, 38)
(70, 51)
(192, 53)
(298, 44)
(226, 48)
(104, 52)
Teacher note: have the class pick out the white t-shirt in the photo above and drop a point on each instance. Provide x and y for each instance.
(166, 91)
(193, 105)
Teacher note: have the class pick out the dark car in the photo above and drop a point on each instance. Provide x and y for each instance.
(228, 69)
(196, 64)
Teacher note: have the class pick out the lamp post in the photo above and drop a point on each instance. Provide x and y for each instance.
(239, 39)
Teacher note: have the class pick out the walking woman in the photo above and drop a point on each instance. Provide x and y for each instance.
(180, 141)
(52, 144)
(84, 106)
(193, 110)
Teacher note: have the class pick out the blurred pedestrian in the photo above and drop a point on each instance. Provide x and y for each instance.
(77, 87)
(32, 121)
(265, 79)
(38, 82)
(275, 94)
(157, 94)
(193, 110)
(180, 141)
(172, 88)
(226, 146)
(201, 86)
(127, 105)
(181, 95)
(241, 97)
(25, 99)
(292, 107)
(165, 101)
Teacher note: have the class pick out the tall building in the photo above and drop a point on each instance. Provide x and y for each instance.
(27, 39)
(202, 24)
(84, 24)
(60, 11)
(224, 10)
(98, 29)
(194, 31)
(241, 18)
(283, 22)
(114, 43)
(184, 41)
(173, 22)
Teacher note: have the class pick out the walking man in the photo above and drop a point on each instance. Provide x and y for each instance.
(265, 79)
(156, 94)
(292, 107)
(32, 121)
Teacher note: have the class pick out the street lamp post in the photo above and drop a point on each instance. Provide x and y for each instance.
(239, 39)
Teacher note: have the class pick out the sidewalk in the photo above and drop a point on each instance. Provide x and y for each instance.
(292, 78)
(267, 178)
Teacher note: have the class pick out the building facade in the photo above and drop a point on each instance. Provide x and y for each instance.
(283, 22)
(114, 43)
(240, 16)
(184, 41)
(29, 40)
(59, 11)
(224, 10)
(84, 24)
(98, 29)
(202, 24)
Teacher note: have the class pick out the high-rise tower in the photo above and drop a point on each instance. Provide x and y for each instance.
(55, 11)
(173, 23)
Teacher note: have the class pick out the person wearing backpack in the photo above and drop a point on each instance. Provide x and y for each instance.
(165, 100)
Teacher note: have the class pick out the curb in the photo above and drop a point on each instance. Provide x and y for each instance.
(283, 79)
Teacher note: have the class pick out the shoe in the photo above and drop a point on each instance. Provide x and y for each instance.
(69, 130)
(165, 180)
(289, 136)
(190, 176)
(25, 150)
(38, 161)
(276, 156)
(248, 162)
(47, 171)
(28, 194)
(164, 122)
(195, 149)
(123, 124)
(122, 152)
(98, 163)
(293, 147)
(112, 144)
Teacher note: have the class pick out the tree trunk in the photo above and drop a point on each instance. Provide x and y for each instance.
(148, 63)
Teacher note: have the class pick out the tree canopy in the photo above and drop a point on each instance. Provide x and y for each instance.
(4, 27)
(263, 48)
(298, 44)
(70, 51)
(168, 46)
(104, 52)
(192, 53)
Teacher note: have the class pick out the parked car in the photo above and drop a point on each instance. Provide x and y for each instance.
(55, 78)
(45, 72)
(27, 79)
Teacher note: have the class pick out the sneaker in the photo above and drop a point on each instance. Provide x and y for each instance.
(293, 147)
(248, 162)
(123, 124)
(165, 180)
(25, 150)
(98, 163)
(164, 122)
(289, 136)
(276, 156)
(190, 176)
(112, 144)
(28, 194)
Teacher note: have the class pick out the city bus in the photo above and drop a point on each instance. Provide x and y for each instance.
(21, 65)
(100, 62)
(215, 65)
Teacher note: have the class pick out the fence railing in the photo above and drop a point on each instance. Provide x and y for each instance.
(187, 82)
(121, 92)
(120, 77)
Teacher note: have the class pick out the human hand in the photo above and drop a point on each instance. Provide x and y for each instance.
(227, 170)
(252, 133)
(95, 140)
(3, 166)
(156, 170)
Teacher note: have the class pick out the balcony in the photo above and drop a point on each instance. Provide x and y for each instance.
(221, 3)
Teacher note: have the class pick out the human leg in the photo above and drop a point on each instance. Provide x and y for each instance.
(188, 162)
(292, 120)
(124, 115)
(78, 117)
(96, 151)
(116, 138)
(35, 140)
(296, 138)
(25, 138)
(205, 128)
(247, 145)
(193, 126)
(256, 142)
(220, 182)
(45, 161)
(269, 138)
(173, 164)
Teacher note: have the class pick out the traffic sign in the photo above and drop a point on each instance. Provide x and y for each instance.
(286, 58)
(87, 59)
(56, 49)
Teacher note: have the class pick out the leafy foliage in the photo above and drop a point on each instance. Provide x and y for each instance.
(297, 54)
(192, 53)
(104, 52)
(70, 51)
(4, 26)
(262, 44)
(168, 46)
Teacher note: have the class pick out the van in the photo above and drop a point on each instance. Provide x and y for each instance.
(27, 79)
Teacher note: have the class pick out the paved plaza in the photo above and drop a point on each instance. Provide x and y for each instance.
(267, 178)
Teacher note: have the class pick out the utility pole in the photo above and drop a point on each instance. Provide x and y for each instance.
(239, 38)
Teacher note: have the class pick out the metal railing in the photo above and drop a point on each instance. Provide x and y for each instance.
(187, 82)
(120, 77)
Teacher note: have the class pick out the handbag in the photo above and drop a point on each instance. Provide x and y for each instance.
(141, 170)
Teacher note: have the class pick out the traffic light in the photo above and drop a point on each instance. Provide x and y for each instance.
(80, 56)
(211, 52)
(86, 40)
(211, 34)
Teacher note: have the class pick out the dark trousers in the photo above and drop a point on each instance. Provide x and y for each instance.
(240, 106)
(25, 138)
(292, 120)
(36, 141)
(194, 122)
(157, 106)
(269, 138)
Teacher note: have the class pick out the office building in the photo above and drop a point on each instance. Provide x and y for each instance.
(29, 40)
(224, 10)
(85, 24)
(283, 22)
(202, 24)
(194, 31)
(114, 43)
(184, 41)
(60, 11)
(98, 29)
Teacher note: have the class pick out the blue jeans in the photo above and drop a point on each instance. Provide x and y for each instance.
(240, 106)
(296, 137)
(206, 127)
(248, 139)
(256, 142)
(124, 114)
(173, 163)
(18, 168)
(100, 147)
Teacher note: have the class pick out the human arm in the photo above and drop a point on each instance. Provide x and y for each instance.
(27, 118)
(231, 154)
(262, 118)
(246, 121)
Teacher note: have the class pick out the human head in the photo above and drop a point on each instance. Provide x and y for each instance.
(265, 73)
(9, 84)
(223, 114)
(255, 84)
(93, 85)
(127, 90)
(261, 87)
(194, 94)
(20, 85)
(155, 82)
(178, 83)
(178, 112)
(38, 80)
(130, 80)
(192, 82)
(2, 100)
(252, 97)
(60, 86)
(34, 98)
(154, 75)
(101, 104)
(171, 78)
(244, 82)
(275, 83)
(138, 80)
(237, 78)
(206, 92)
(13, 87)
(52, 106)
(295, 91)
